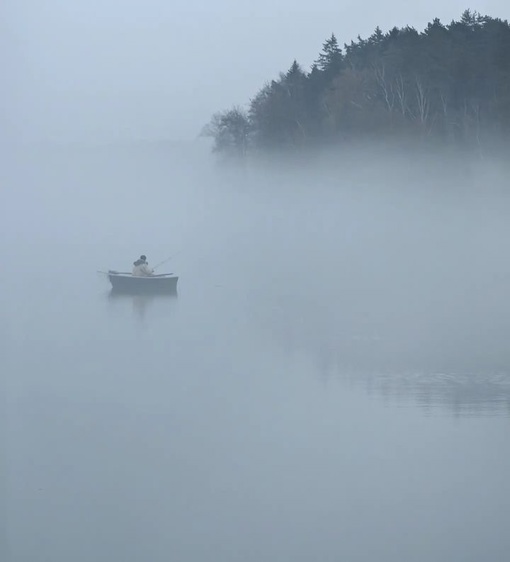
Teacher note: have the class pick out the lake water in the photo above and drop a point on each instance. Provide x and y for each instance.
(332, 381)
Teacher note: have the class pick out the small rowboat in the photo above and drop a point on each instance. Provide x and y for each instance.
(127, 283)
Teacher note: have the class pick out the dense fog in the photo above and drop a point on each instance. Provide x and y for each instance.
(331, 380)
(333, 318)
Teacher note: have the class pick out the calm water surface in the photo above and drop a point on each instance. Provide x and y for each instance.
(327, 385)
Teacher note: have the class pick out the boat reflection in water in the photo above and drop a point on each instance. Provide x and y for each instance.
(141, 292)
(142, 303)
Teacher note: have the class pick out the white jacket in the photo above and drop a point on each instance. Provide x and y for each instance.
(142, 270)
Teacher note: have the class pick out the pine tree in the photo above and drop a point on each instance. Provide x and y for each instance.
(331, 59)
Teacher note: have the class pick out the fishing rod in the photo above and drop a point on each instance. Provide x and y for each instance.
(165, 261)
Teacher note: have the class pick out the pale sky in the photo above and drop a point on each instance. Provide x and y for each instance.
(90, 70)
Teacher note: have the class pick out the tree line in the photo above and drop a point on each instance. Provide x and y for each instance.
(449, 82)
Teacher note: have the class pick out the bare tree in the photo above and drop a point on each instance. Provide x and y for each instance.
(401, 93)
(385, 85)
(230, 131)
(422, 101)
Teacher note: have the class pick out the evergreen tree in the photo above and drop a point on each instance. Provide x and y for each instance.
(330, 60)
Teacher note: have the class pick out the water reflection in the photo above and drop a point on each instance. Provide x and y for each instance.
(462, 368)
(141, 304)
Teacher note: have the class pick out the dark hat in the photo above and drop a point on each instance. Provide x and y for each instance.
(142, 257)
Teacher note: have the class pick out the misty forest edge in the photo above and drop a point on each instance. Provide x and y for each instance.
(449, 84)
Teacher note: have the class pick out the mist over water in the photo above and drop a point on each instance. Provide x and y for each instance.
(331, 382)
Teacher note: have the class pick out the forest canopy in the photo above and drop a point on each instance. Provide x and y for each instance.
(449, 82)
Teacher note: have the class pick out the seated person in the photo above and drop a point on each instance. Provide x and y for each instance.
(141, 268)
